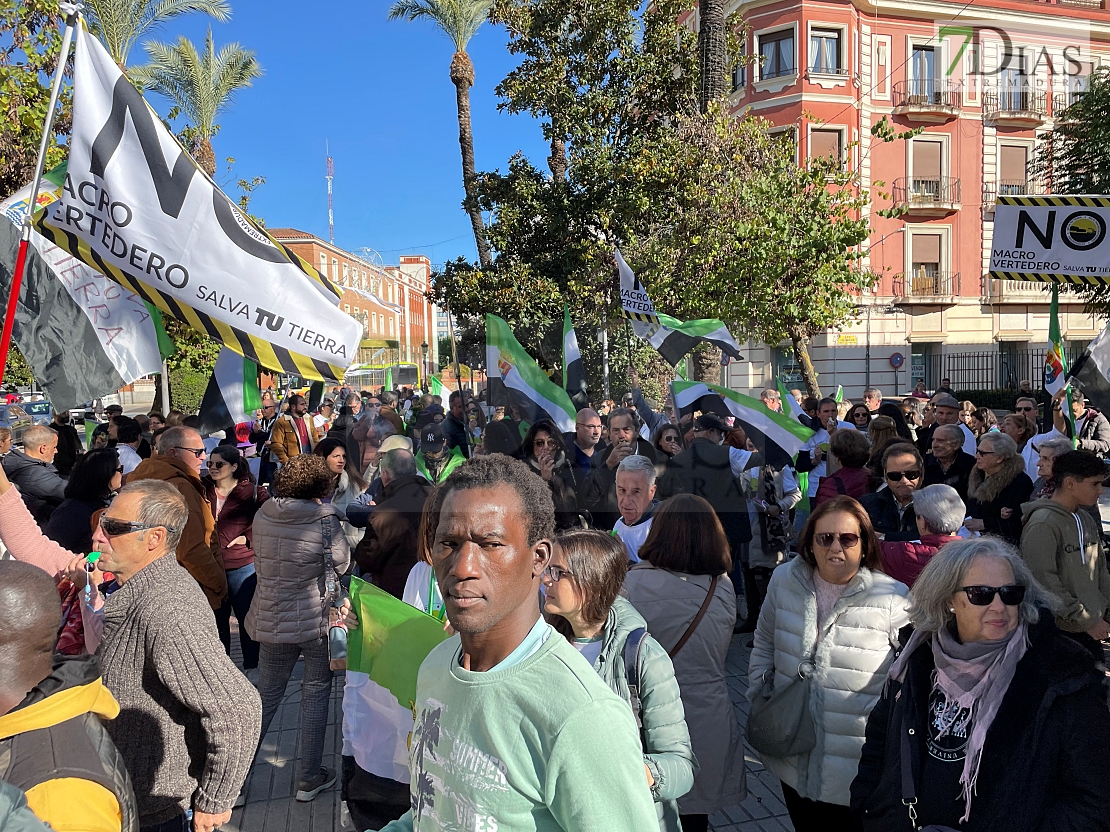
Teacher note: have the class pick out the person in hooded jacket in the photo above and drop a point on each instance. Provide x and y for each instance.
(991, 720)
(1062, 545)
(582, 583)
(389, 549)
(545, 453)
(235, 499)
(52, 711)
(289, 614)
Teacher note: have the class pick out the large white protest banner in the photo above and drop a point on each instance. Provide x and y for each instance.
(1051, 239)
(135, 207)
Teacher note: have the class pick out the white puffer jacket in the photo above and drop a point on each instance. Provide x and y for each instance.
(851, 661)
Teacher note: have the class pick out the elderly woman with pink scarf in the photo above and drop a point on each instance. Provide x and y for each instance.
(992, 719)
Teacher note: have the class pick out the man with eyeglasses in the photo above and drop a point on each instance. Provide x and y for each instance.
(189, 721)
(1021, 426)
(178, 461)
(582, 445)
(891, 509)
(1063, 546)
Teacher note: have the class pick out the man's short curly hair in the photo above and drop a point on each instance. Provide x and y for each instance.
(304, 477)
(491, 471)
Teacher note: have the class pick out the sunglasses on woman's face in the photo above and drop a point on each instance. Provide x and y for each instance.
(847, 539)
(216, 466)
(982, 596)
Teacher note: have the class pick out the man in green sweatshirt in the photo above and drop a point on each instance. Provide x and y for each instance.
(514, 731)
(1062, 545)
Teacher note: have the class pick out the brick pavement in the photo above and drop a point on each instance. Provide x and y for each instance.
(270, 806)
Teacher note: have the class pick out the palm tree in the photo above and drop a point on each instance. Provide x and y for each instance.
(120, 23)
(201, 85)
(712, 51)
(459, 20)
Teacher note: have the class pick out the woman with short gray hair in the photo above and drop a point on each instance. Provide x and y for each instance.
(999, 717)
(940, 513)
(997, 487)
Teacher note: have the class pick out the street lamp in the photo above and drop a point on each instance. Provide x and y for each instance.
(424, 362)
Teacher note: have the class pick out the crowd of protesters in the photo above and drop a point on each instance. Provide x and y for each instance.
(925, 585)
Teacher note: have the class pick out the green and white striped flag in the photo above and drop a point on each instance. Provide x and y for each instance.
(232, 394)
(839, 393)
(777, 436)
(792, 408)
(672, 338)
(535, 394)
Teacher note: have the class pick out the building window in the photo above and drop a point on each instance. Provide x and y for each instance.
(923, 70)
(323, 265)
(776, 54)
(928, 167)
(740, 70)
(826, 142)
(1076, 83)
(1014, 87)
(335, 270)
(882, 69)
(1013, 170)
(824, 52)
(347, 307)
(392, 329)
(925, 252)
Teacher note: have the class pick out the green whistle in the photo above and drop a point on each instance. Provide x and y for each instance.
(93, 557)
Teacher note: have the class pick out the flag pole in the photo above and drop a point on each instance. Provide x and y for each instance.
(455, 359)
(40, 162)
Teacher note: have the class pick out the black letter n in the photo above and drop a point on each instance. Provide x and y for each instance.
(171, 188)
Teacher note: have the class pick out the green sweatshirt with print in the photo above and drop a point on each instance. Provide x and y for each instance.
(543, 745)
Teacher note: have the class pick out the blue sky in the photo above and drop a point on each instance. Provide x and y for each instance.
(379, 92)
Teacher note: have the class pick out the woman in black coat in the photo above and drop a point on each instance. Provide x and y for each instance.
(93, 482)
(1028, 752)
(545, 453)
(997, 487)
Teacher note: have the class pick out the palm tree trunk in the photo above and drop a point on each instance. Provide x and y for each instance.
(204, 156)
(801, 355)
(712, 51)
(462, 76)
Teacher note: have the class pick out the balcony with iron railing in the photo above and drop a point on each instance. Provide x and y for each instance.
(1015, 105)
(927, 99)
(1021, 291)
(926, 197)
(928, 287)
(1010, 187)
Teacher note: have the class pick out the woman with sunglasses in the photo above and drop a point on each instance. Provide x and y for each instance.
(668, 441)
(1002, 720)
(830, 615)
(997, 487)
(860, 417)
(545, 453)
(235, 498)
(93, 482)
(582, 601)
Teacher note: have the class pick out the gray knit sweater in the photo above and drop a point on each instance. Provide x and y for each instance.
(189, 720)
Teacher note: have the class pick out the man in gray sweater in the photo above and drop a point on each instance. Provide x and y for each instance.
(189, 720)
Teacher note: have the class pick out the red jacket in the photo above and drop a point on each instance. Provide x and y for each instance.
(904, 560)
(236, 520)
(853, 482)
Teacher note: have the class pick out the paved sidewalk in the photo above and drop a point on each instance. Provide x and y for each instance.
(269, 790)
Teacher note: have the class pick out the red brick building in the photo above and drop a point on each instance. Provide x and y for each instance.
(398, 322)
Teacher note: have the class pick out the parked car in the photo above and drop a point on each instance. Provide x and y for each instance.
(16, 419)
(40, 412)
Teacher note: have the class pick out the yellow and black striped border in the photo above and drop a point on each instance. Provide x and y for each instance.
(267, 355)
(639, 316)
(1079, 201)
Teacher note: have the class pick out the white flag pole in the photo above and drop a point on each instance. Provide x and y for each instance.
(70, 11)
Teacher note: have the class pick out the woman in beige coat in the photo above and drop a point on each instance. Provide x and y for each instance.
(684, 570)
